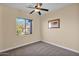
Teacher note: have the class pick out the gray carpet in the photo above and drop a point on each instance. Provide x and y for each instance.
(39, 49)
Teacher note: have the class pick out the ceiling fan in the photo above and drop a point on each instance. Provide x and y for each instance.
(37, 8)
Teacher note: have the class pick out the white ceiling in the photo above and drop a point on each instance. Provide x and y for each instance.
(23, 6)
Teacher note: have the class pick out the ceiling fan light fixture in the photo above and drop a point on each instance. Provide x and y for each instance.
(37, 10)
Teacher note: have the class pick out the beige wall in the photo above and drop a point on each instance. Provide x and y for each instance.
(1, 27)
(10, 39)
(68, 33)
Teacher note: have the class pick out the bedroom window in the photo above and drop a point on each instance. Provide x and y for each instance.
(23, 26)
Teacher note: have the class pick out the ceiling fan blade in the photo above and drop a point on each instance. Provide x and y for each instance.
(40, 4)
(39, 13)
(32, 11)
(44, 9)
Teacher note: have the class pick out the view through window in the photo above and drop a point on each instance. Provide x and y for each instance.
(23, 26)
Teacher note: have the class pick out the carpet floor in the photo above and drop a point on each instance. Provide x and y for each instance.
(39, 49)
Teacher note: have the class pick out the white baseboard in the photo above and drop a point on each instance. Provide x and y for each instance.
(17, 46)
(62, 46)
